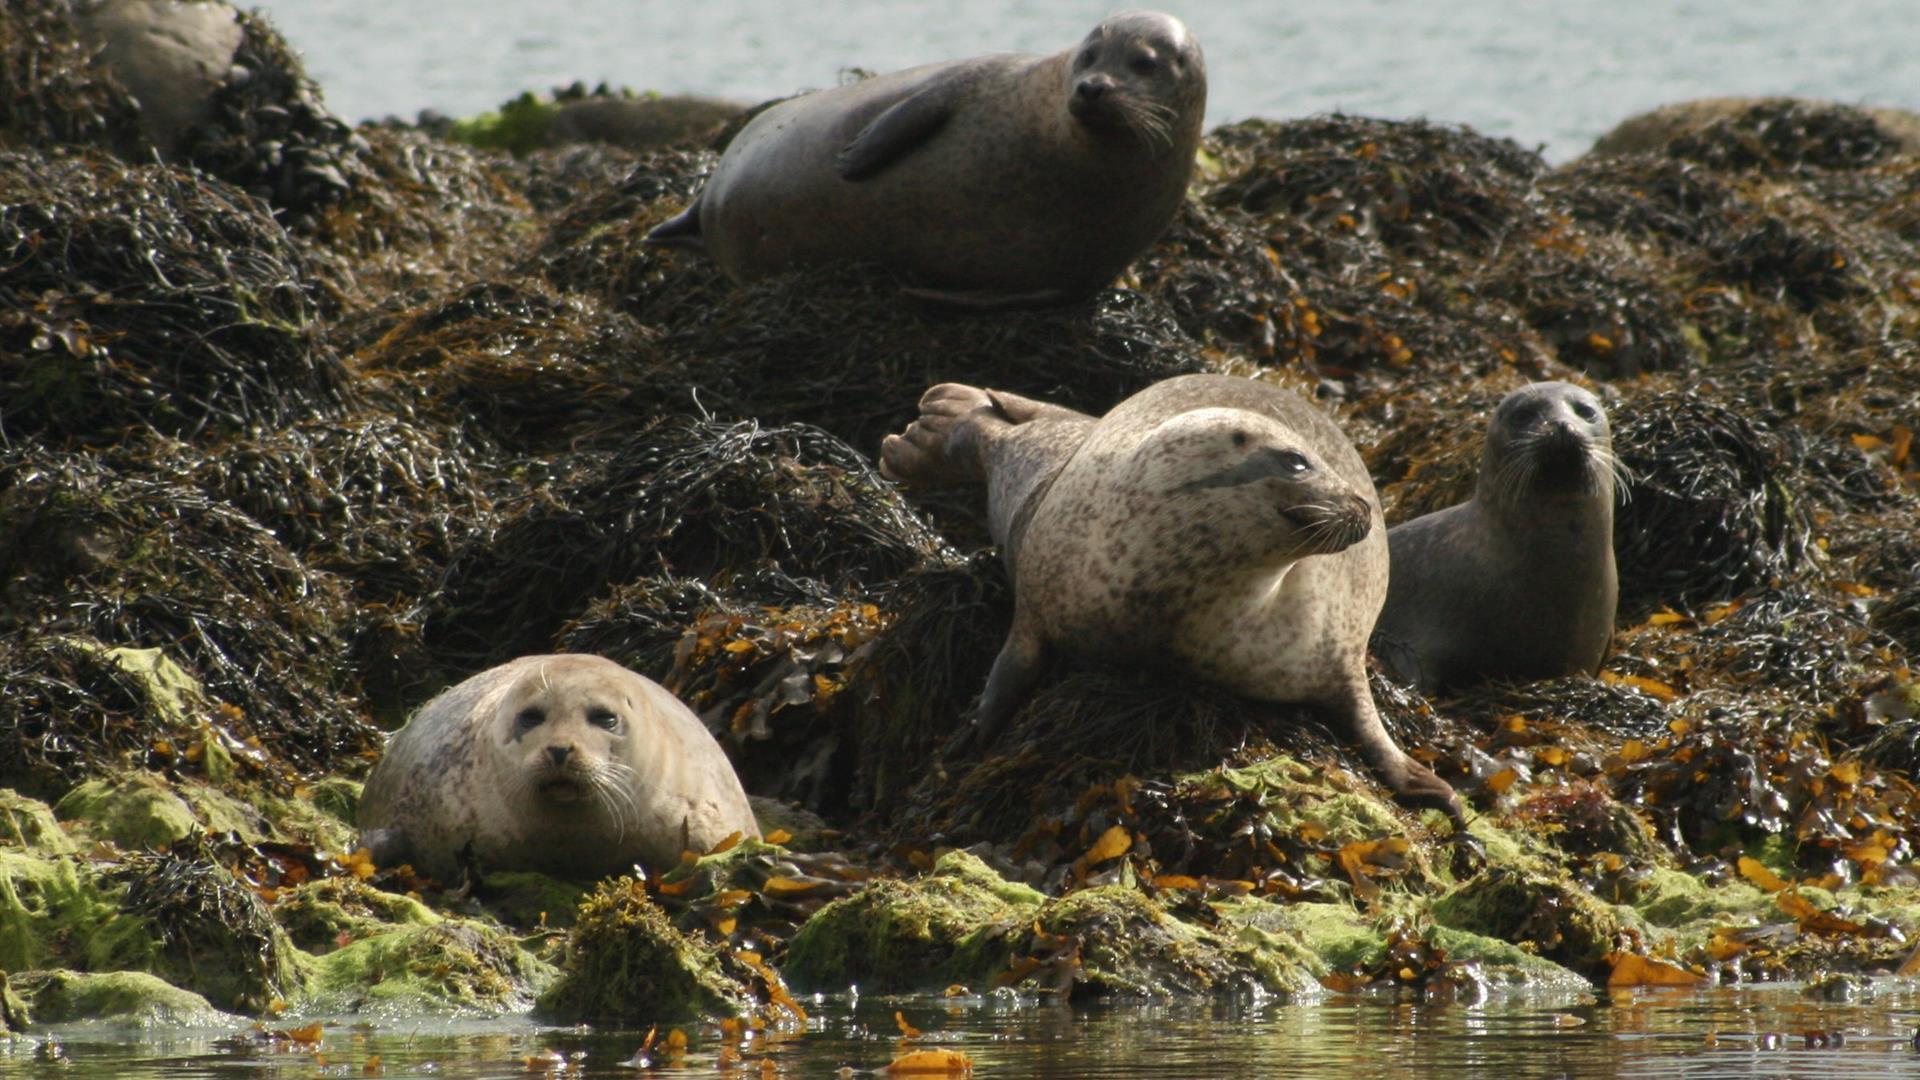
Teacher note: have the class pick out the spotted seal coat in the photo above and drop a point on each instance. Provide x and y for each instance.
(1217, 526)
(568, 764)
(1000, 180)
(1517, 582)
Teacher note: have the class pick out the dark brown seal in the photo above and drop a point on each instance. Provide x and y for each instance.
(1518, 582)
(997, 180)
(567, 764)
(1213, 525)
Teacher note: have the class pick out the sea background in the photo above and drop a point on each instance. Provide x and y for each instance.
(1551, 74)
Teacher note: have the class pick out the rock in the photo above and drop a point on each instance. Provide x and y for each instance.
(172, 55)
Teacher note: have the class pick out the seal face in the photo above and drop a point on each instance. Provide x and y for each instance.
(568, 764)
(1519, 581)
(1213, 525)
(999, 180)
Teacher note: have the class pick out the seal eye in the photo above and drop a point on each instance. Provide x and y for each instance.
(1292, 463)
(604, 718)
(1239, 438)
(1584, 411)
(529, 718)
(1087, 57)
(1143, 65)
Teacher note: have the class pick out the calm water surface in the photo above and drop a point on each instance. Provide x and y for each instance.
(1557, 73)
(1726, 1032)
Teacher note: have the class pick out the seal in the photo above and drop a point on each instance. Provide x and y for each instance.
(1518, 582)
(1215, 526)
(997, 181)
(568, 764)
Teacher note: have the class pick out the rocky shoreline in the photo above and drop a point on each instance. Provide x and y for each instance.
(308, 422)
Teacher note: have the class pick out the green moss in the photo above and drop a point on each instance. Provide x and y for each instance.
(172, 693)
(627, 963)
(1335, 936)
(338, 798)
(1299, 795)
(60, 997)
(943, 928)
(1562, 921)
(1504, 963)
(518, 127)
(447, 966)
(216, 936)
(1128, 944)
(143, 810)
(301, 818)
(1674, 899)
(57, 912)
(30, 824)
(13, 1008)
(527, 900)
(321, 916)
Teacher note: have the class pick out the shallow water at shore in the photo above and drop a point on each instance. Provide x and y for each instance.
(1557, 75)
(1761, 1031)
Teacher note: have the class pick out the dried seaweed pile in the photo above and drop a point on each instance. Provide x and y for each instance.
(50, 94)
(98, 555)
(268, 131)
(148, 296)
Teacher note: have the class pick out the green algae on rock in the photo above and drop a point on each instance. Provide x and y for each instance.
(139, 809)
(215, 936)
(132, 997)
(626, 963)
(62, 912)
(32, 825)
(321, 916)
(446, 965)
(947, 926)
(1561, 920)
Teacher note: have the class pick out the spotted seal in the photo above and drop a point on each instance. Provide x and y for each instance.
(1517, 582)
(568, 764)
(1217, 526)
(1003, 180)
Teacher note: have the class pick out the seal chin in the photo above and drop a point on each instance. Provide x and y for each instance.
(564, 790)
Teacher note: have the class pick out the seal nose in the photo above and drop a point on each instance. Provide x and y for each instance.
(1093, 88)
(559, 754)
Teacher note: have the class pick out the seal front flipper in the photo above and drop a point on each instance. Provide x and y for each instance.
(1015, 670)
(682, 230)
(893, 134)
(1412, 783)
(387, 847)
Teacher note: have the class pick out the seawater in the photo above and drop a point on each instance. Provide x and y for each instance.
(1553, 74)
(1733, 1031)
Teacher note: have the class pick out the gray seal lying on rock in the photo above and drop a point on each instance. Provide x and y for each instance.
(567, 764)
(1519, 581)
(1212, 525)
(1001, 180)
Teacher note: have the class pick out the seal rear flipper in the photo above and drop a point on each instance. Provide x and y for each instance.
(940, 446)
(682, 230)
(903, 126)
